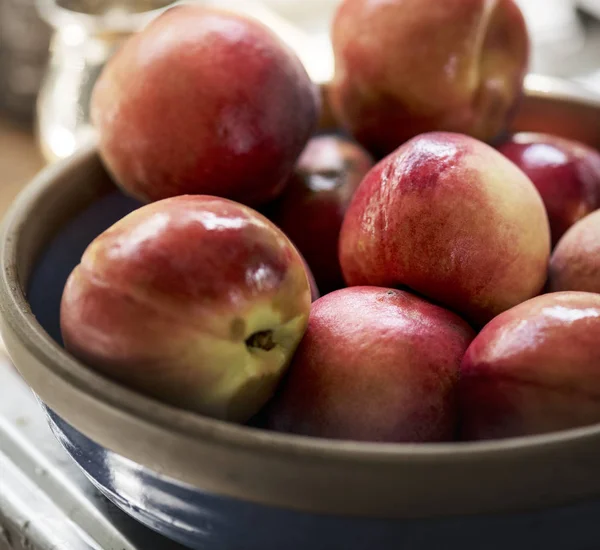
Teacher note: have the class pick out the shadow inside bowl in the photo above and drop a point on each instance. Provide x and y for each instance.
(64, 252)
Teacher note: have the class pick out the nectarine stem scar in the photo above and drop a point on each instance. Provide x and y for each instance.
(261, 340)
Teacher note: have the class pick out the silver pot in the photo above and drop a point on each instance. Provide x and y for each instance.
(86, 34)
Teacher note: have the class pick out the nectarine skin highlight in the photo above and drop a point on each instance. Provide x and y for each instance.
(534, 369)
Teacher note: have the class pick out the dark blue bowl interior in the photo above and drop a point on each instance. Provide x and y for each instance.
(204, 521)
(64, 252)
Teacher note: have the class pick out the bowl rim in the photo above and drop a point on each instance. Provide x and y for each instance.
(18, 317)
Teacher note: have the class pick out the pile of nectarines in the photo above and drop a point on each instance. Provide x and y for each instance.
(459, 266)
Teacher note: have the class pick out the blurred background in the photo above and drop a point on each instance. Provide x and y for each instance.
(51, 52)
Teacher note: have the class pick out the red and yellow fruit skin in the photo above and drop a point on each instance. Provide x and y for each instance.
(405, 67)
(452, 219)
(203, 101)
(575, 262)
(375, 364)
(168, 299)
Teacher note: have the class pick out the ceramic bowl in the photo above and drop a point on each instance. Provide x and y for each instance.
(211, 484)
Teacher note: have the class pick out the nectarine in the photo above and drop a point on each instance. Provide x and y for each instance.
(565, 172)
(575, 262)
(313, 206)
(196, 300)
(452, 219)
(534, 369)
(203, 101)
(405, 67)
(375, 365)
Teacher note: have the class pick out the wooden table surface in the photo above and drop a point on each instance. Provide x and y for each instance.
(20, 160)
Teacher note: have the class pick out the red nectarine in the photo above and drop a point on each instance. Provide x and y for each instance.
(534, 369)
(313, 206)
(452, 219)
(195, 300)
(405, 67)
(565, 172)
(375, 365)
(575, 262)
(203, 102)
